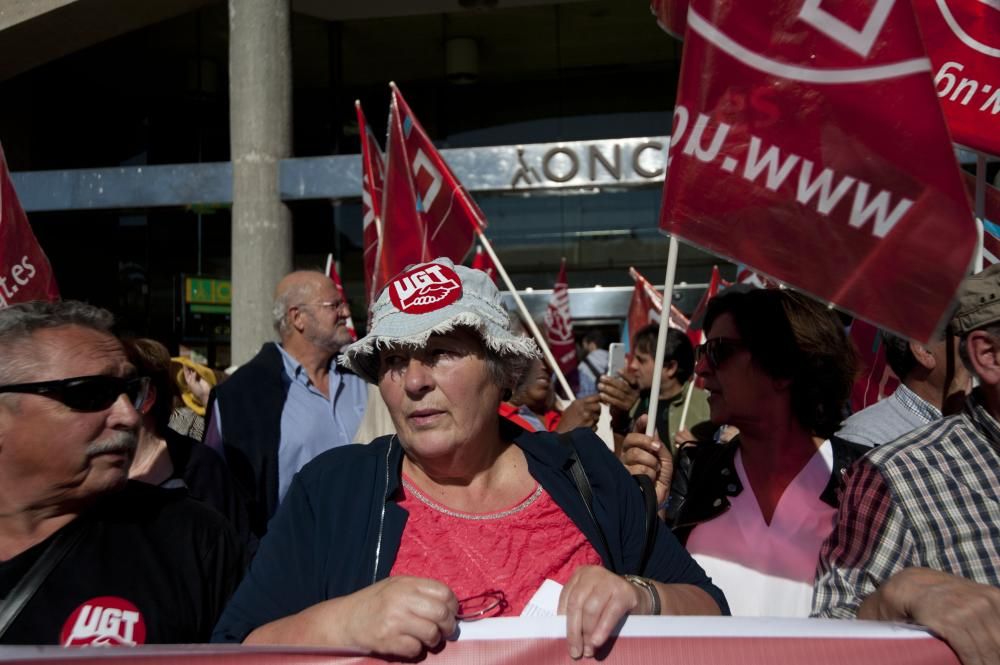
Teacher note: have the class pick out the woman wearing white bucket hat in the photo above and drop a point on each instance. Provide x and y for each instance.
(461, 514)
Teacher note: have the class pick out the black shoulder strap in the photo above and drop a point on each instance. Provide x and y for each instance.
(590, 366)
(25, 589)
(582, 483)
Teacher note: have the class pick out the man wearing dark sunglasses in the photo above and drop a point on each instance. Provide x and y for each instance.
(87, 557)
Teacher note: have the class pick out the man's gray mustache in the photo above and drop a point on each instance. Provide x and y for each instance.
(120, 442)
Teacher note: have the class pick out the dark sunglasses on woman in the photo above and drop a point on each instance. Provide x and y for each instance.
(717, 350)
(87, 393)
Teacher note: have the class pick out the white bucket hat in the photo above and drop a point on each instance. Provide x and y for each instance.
(432, 298)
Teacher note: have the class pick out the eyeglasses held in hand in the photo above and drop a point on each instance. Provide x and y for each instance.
(87, 393)
(718, 350)
(487, 604)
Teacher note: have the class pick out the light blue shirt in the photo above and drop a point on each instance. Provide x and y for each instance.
(311, 423)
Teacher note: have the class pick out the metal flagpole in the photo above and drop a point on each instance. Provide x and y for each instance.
(661, 339)
(535, 332)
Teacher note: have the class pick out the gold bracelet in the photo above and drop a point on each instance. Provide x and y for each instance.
(643, 583)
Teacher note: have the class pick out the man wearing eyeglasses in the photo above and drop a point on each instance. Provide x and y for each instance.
(87, 557)
(292, 401)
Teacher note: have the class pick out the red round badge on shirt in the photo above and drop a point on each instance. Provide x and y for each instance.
(104, 621)
(426, 288)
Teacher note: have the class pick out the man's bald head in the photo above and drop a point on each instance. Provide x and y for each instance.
(294, 289)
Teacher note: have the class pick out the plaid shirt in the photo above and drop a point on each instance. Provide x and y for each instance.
(931, 499)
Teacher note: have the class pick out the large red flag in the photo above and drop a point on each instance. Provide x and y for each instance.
(451, 215)
(404, 234)
(963, 41)
(331, 272)
(646, 307)
(808, 143)
(559, 325)
(372, 177)
(25, 273)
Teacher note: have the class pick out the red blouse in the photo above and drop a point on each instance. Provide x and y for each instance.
(512, 551)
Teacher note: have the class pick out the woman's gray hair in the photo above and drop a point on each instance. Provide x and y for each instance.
(508, 371)
(19, 322)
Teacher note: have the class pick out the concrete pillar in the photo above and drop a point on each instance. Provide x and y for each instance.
(260, 116)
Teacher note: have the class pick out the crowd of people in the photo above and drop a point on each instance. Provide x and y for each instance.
(373, 494)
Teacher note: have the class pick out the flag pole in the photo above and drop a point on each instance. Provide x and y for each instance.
(329, 260)
(980, 211)
(535, 332)
(661, 339)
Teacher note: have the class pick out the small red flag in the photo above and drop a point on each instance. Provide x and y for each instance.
(646, 307)
(962, 38)
(331, 272)
(876, 379)
(808, 143)
(372, 177)
(671, 16)
(559, 325)
(25, 273)
(698, 315)
(482, 261)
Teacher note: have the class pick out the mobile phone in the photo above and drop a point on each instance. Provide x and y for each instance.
(616, 358)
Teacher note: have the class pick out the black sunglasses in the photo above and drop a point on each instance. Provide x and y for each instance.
(718, 350)
(87, 393)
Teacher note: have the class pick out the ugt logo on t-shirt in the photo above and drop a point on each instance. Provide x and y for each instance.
(104, 621)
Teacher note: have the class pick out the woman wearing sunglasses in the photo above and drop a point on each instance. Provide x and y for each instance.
(461, 514)
(754, 512)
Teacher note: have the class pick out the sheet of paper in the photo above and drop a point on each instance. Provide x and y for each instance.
(545, 602)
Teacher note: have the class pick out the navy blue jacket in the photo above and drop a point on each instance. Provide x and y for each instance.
(331, 536)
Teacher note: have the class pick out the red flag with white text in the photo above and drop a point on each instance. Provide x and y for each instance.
(331, 272)
(646, 307)
(404, 233)
(25, 273)
(962, 38)
(559, 325)
(482, 261)
(671, 16)
(372, 177)
(449, 212)
(808, 144)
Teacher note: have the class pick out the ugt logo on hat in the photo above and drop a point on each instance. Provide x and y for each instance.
(425, 289)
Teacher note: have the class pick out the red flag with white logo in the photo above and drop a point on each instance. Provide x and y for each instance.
(331, 272)
(449, 212)
(962, 38)
(372, 177)
(404, 234)
(482, 261)
(646, 307)
(559, 324)
(25, 273)
(671, 16)
(808, 143)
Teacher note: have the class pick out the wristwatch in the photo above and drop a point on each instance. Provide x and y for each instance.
(643, 583)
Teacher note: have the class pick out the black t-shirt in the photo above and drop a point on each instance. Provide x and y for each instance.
(151, 567)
